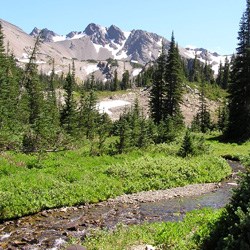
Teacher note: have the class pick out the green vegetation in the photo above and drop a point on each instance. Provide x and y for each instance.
(30, 183)
(58, 150)
(229, 150)
(232, 229)
(180, 235)
(239, 99)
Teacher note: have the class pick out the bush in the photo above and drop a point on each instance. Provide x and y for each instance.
(192, 145)
(232, 230)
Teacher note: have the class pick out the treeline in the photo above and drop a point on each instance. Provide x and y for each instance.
(36, 113)
(49, 112)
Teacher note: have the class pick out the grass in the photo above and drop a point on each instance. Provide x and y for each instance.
(105, 94)
(31, 183)
(181, 235)
(235, 151)
(211, 91)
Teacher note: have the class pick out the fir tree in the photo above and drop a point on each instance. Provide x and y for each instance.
(10, 124)
(158, 88)
(223, 118)
(220, 75)
(34, 136)
(187, 146)
(239, 99)
(115, 81)
(52, 115)
(123, 144)
(68, 112)
(208, 73)
(88, 115)
(103, 131)
(226, 74)
(125, 80)
(194, 75)
(202, 120)
(173, 85)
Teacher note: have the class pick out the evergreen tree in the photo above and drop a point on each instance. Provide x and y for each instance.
(10, 124)
(34, 138)
(133, 130)
(123, 144)
(208, 73)
(88, 115)
(194, 75)
(226, 74)
(223, 118)
(202, 120)
(187, 146)
(157, 91)
(239, 99)
(104, 124)
(68, 112)
(220, 75)
(115, 81)
(125, 80)
(173, 85)
(52, 115)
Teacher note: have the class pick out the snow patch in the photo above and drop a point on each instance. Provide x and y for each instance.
(77, 36)
(97, 47)
(160, 42)
(59, 38)
(126, 34)
(27, 60)
(136, 72)
(90, 68)
(122, 55)
(104, 106)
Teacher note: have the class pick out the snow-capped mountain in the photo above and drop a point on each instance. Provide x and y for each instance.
(93, 46)
(137, 45)
(212, 58)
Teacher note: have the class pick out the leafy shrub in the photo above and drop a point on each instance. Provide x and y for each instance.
(232, 229)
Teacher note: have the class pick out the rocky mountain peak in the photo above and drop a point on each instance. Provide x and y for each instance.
(45, 34)
(93, 28)
(72, 34)
(143, 46)
(115, 33)
(97, 34)
(35, 32)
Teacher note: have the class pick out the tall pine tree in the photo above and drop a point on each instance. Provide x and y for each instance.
(34, 138)
(173, 84)
(68, 112)
(226, 74)
(157, 90)
(239, 99)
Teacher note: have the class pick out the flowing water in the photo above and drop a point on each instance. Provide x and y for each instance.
(53, 228)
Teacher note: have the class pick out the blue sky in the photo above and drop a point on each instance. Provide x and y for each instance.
(211, 24)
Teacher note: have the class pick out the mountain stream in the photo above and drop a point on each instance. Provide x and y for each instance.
(52, 229)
